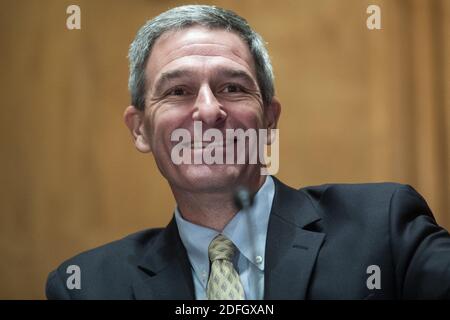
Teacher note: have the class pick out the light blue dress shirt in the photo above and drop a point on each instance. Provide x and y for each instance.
(247, 230)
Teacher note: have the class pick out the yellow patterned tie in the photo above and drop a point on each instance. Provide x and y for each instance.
(224, 282)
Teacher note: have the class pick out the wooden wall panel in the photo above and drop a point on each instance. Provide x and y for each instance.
(358, 106)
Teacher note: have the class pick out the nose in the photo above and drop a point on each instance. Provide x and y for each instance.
(207, 108)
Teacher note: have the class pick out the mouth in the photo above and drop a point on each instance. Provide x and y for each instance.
(198, 145)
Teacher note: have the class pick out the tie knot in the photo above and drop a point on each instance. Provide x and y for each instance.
(221, 248)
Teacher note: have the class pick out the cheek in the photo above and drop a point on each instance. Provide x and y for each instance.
(161, 124)
(251, 115)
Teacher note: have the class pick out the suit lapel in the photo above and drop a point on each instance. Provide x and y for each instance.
(166, 269)
(291, 250)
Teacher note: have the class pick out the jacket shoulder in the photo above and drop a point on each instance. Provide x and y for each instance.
(99, 267)
(367, 204)
(351, 192)
(131, 246)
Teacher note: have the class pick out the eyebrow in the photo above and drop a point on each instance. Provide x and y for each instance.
(168, 76)
(237, 74)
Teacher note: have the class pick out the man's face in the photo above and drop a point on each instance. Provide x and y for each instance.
(198, 74)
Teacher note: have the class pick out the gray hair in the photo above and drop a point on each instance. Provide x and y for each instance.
(183, 17)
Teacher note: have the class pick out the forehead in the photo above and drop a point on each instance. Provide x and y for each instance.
(176, 49)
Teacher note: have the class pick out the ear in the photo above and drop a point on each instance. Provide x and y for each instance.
(134, 119)
(272, 114)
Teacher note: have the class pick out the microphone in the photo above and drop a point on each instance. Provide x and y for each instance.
(242, 198)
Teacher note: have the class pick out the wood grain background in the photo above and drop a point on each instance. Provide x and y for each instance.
(358, 106)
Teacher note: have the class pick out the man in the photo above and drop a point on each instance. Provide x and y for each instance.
(202, 64)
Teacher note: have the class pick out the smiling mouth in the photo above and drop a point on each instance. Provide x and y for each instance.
(203, 144)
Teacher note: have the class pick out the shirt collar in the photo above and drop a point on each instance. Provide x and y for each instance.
(247, 230)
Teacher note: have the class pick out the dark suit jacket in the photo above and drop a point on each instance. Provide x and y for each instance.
(320, 242)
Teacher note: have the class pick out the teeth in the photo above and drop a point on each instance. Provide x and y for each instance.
(201, 145)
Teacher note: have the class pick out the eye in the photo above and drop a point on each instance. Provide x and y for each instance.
(177, 92)
(232, 88)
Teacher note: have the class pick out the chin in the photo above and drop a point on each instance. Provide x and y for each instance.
(209, 178)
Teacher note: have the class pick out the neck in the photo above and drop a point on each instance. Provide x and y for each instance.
(211, 209)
